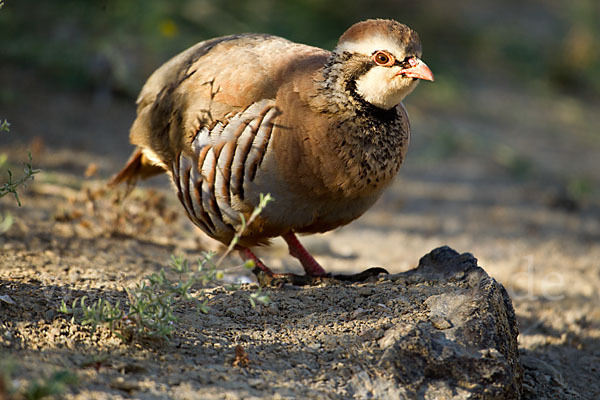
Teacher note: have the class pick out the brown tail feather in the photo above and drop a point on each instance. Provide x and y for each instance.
(138, 167)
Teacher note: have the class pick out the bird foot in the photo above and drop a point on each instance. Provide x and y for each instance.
(315, 274)
(361, 276)
(266, 279)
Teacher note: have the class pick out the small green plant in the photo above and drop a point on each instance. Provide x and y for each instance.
(6, 222)
(7, 367)
(11, 186)
(580, 188)
(151, 303)
(258, 297)
(53, 385)
(262, 203)
(517, 165)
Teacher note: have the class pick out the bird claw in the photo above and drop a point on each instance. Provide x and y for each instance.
(279, 280)
(361, 276)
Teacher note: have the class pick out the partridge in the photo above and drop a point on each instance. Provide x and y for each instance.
(324, 132)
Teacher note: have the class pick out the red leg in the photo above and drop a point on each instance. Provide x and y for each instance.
(311, 266)
(315, 274)
(247, 254)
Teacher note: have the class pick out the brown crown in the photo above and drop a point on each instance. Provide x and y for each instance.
(385, 27)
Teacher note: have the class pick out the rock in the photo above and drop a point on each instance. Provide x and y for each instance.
(467, 347)
(442, 330)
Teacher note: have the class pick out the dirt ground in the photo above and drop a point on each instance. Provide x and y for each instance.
(504, 175)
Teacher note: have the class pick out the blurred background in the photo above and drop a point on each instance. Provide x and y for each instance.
(505, 142)
(114, 45)
(517, 82)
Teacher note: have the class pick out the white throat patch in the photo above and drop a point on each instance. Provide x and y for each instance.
(381, 87)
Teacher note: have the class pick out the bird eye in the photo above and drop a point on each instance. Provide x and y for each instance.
(384, 59)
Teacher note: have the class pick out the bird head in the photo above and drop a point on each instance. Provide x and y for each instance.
(380, 61)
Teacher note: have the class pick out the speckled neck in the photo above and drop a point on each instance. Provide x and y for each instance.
(371, 141)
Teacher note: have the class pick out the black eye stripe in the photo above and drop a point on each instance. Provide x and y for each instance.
(404, 63)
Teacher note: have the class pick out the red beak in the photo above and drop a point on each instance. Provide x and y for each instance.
(418, 69)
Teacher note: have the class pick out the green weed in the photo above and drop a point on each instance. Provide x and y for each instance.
(11, 186)
(149, 310)
(6, 222)
(54, 385)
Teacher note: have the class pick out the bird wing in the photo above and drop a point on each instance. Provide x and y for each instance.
(207, 117)
(208, 84)
(212, 180)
